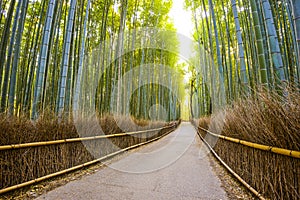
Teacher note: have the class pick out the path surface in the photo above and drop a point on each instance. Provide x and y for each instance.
(169, 168)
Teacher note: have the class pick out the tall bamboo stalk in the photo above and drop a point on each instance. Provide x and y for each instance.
(82, 52)
(296, 13)
(273, 41)
(259, 44)
(65, 59)
(219, 58)
(9, 58)
(241, 47)
(41, 70)
(13, 77)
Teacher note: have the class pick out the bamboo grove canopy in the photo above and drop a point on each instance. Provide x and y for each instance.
(72, 54)
(251, 44)
(61, 56)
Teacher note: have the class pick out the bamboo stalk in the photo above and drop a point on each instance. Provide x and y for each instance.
(8, 189)
(277, 150)
(46, 143)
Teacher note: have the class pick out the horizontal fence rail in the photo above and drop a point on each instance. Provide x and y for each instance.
(276, 150)
(46, 143)
(249, 187)
(11, 188)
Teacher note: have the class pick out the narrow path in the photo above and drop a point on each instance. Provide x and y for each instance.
(170, 168)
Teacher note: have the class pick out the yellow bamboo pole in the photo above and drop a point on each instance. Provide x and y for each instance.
(277, 150)
(249, 187)
(8, 189)
(46, 143)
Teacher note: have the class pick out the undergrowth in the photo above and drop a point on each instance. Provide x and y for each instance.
(21, 165)
(16, 130)
(268, 119)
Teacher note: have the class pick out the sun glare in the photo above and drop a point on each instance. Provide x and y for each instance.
(182, 18)
(183, 23)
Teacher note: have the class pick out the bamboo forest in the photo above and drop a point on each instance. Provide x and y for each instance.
(84, 80)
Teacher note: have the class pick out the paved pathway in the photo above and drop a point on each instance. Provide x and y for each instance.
(169, 168)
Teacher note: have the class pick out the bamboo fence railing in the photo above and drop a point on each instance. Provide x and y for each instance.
(249, 187)
(11, 188)
(46, 143)
(277, 150)
(272, 149)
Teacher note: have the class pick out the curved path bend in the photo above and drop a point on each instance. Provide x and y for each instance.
(170, 168)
